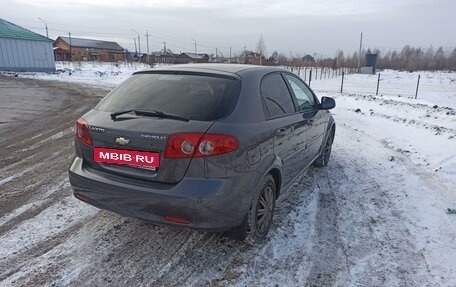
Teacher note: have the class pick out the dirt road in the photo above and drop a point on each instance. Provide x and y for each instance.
(345, 225)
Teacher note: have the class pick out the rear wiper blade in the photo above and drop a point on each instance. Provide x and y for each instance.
(161, 115)
(150, 113)
(115, 114)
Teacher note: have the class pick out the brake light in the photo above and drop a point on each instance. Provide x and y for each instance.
(187, 145)
(81, 131)
(81, 196)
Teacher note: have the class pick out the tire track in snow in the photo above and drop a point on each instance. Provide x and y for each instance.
(376, 239)
(329, 258)
(284, 258)
(46, 196)
(26, 186)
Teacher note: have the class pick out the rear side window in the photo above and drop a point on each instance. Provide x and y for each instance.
(276, 95)
(197, 97)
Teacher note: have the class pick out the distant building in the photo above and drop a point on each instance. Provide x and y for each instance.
(163, 57)
(185, 58)
(218, 59)
(22, 50)
(78, 49)
(308, 60)
(252, 58)
(136, 57)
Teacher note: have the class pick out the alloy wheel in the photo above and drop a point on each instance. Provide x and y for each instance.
(265, 209)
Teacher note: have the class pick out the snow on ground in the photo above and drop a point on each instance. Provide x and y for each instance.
(376, 216)
(421, 137)
(418, 166)
(97, 73)
(435, 88)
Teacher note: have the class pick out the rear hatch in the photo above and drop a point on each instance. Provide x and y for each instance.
(178, 102)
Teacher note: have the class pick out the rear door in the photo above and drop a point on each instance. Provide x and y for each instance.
(313, 118)
(283, 119)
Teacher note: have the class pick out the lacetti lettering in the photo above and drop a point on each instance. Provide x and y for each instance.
(129, 157)
(97, 129)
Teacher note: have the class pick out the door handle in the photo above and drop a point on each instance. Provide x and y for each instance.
(309, 122)
(281, 132)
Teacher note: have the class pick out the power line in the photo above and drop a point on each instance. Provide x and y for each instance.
(125, 36)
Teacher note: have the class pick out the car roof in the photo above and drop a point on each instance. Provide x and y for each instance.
(212, 68)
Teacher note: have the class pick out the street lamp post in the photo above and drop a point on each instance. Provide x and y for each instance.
(46, 26)
(147, 41)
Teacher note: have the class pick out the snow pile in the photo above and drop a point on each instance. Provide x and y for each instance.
(96, 73)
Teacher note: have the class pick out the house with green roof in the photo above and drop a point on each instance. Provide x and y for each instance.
(22, 50)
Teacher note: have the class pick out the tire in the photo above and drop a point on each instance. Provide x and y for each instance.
(323, 159)
(258, 220)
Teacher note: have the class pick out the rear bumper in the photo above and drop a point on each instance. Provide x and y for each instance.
(209, 204)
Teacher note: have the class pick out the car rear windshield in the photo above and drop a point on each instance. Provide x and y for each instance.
(193, 96)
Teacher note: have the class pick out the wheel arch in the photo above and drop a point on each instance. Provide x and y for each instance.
(277, 176)
(332, 128)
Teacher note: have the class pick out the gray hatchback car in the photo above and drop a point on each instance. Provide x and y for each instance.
(204, 146)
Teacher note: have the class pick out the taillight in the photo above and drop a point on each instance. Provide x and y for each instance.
(182, 145)
(81, 131)
(214, 144)
(187, 145)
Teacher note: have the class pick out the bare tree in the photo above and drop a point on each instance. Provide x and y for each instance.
(439, 59)
(409, 58)
(283, 59)
(340, 58)
(452, 60)
(261, 48)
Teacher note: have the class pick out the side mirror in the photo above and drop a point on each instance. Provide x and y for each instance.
(327, 103)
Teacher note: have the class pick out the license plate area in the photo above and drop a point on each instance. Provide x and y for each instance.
(139, 159)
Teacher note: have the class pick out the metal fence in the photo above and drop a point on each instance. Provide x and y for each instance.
(310, 74)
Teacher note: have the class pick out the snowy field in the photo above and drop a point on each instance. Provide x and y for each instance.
(101, 74)
(376, 216)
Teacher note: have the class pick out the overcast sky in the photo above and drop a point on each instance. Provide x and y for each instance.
(289, 26)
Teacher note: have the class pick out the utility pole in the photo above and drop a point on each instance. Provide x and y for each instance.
(230, 53)
(164, 53)
(46, 26)
(230, 50)
(71, 56)
(139, 41)
(216, 54)
(359, 53)
(136, 50)
(195, 44)
(147, 40)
